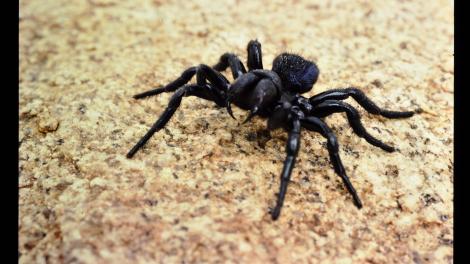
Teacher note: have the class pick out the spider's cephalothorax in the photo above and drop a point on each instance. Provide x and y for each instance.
(274, 95)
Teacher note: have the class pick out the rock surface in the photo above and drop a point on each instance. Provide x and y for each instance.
(201, 189)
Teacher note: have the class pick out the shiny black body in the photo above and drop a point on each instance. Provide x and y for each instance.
(276, 95)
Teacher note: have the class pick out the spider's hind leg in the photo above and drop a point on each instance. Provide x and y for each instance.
(230, 60)
(184, 78)
(316, 124)
(206, 92)
(203, 74)
(361, 98)
(329, 107)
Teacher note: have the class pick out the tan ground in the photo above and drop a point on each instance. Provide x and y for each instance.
(201, 189)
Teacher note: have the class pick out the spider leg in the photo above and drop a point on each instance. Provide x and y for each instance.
(230, 59)
(255, 60)
(316, 124)
(180, 81)
(292, 149)
(202, 72)
(361, 98)
(206, 73)
(205, 92)
(329, 107)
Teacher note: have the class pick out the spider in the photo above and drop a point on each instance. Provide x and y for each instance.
(276, 95)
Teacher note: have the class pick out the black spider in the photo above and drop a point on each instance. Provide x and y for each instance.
(274, 94)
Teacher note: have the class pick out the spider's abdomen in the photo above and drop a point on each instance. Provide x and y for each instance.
(297, 74)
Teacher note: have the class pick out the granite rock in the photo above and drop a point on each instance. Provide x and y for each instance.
(201, 189)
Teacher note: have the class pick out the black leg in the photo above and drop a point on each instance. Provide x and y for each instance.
(316, 124)
(361, 98)
(206, 73)
(205, 92)
(329, 107)
(292, 149)
(230, 59)
(182, 80)
(203, 73)
(255, 60)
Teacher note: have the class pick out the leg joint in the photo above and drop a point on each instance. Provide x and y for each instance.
(332, 142)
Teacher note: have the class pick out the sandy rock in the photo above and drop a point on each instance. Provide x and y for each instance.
(201, 189)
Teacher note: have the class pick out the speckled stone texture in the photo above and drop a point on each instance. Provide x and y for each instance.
(201, 189)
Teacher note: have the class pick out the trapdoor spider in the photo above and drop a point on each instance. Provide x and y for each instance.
(274, 94)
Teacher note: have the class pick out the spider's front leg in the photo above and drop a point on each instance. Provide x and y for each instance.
(292, 149)
(329, 107)
(361, 98)
(317, 125)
